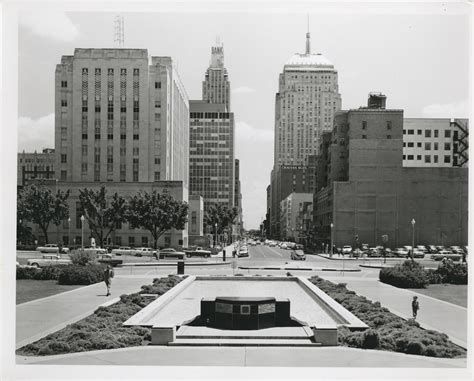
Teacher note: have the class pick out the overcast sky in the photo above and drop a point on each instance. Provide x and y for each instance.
(420, 61)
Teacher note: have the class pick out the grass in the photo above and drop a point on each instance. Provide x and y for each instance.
(452, 293)
(29, 289)
(387, 331)
(103, 329)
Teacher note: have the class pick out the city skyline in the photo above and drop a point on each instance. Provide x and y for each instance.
(254, 65)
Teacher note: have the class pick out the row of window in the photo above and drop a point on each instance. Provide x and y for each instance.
(427, 158)
(447, 133)
(447, 146)
(209, 115)
(388, 124)
(110, 136)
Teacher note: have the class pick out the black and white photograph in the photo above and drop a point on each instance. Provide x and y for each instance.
(236, 190)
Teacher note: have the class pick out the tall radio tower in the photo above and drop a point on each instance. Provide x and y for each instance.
(119, 32)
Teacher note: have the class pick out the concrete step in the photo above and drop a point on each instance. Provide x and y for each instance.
(243, 342)
(274, 333)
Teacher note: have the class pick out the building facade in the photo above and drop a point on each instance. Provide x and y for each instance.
(196, 219)
(216, 85)
(292, 215)
(441, 143)
(35, 166)
(119, 118)
(367, 192)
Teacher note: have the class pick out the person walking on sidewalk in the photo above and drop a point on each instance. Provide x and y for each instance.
(415, 306)
(108, 275)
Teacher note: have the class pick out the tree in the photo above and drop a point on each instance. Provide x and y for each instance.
(221, 215)
(39, 205)
(156, 213)
(102, 215)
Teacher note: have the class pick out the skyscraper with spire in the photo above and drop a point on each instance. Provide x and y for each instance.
(307, 99)
(306, 102)
(216, 85)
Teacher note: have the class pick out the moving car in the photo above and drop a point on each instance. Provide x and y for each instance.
(197, 252)
(145, 252)
(298, 255)
(169, 252)
(48, 260)
(243, 252)
(346, 249)
(52, 248)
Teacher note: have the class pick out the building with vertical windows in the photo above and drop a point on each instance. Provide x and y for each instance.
(35, 166)
(307, 99)
(238, 226)
(120, 117)
(292, 212)
(431, 142)
(211, 153)
(364, 189)
(216, 85)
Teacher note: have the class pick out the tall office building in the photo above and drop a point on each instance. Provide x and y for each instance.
(120, 118)
(216, 85)
(306, 102)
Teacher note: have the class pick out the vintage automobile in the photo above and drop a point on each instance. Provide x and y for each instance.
(48, 260)
(124, 250)
(197, 252)
(52, 248)
(169, 252)
(109, 259)
(298, 255)
(145, 252)
(243, 251)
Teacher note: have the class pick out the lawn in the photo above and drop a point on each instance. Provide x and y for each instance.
(29, 289)
(452, 293)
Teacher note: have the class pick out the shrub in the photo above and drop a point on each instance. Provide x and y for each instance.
(82, 258)
(415, 348)
(409, 274)
(81, 275)
(451, 272)
(26, 272)
(44, 273)
(370, 339)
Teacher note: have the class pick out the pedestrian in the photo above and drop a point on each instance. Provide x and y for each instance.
(108, 275)
(415, 306)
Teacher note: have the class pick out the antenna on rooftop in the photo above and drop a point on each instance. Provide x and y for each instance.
(119, 33)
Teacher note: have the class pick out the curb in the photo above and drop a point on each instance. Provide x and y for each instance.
(297, 269)
(174, 264)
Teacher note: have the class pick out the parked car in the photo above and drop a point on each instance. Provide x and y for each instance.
(416, 254)
(432, 249)
(298, 255)
(365, 247)
(346, 249)
(456, 249)
(48, 260)
(123, 250)
(400, 252)
(357, 253)
(145, 252)
(283, 245)
(95, 250)
(374, 252)
(299, 246)
(197, 251)
(169, 252)
(52, 248)
(422, 248)
(448, 254)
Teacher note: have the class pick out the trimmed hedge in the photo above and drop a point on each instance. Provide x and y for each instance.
(452, 272)
(409, 274)
(44, 273)
(103, 329)
(387, 331)
(81, 275)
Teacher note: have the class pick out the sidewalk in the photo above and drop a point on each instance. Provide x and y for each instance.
(433, 314)
(41, 317)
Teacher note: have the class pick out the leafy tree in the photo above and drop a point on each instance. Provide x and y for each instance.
(38, 204)
(102, 214)
(156, 213)
(221, 215)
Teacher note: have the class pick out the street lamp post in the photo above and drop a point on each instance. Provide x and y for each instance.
(332, 251)
(82, 232)
(215, 238)
(413, 239)
(69, 231)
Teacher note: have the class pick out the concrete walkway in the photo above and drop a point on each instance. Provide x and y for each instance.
(41, 317)
(433, 314)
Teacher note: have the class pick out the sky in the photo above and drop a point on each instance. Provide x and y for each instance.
(419, 61)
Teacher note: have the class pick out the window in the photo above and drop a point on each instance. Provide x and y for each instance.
(63, 102)
(404, 132)
(435, 132)
(411, 132)
(389, 136)
(157, 160)
(364, 136)
(135, 176)
(135, 136)
(404, 144)
(157, 85)
(389, 125)
(435, 146)
(63, 175)
(410, 144)
(123, 136)
(135, 151)
(427, 133)
(157, 176)
(157, 116)
(84, 136)
(84, 167)
(447, 146)
(63, 84)
(455, 135)
(418, 144)
(427, 146)
(145, 241)
(410, 157)
(455, 161)
(447, 159)
(110, 136)
(364, 125)
(447, 134)
(63, 158)
(427, 159)
(131, 241)
(419, 132)
(435, 158)
(97, 108)
(418, 157)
